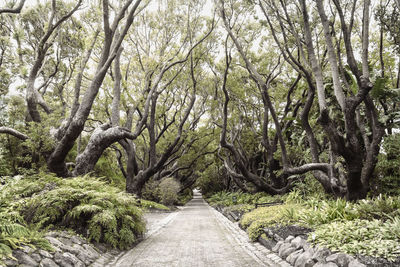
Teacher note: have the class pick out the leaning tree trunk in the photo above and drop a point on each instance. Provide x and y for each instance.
(111, 46)
(101, 138)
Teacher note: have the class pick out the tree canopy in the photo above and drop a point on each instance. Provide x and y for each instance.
(250, 95)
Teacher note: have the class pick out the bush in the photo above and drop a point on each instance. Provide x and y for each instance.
(169, 189)
(185, 196)
(88, 204)
(151, 190)
(84, 204)
(256, 220)
(225, 198)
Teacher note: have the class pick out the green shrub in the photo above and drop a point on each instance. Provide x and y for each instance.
(147, 205)
(185, 196)
(255, 221)
(169, 188)
(86, 203)
(81, 204)
(225, 198)
(387, 171)
(366, 237)
(151, 190)
(320, 212)
(380, 207)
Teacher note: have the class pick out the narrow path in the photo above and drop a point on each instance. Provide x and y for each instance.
(197, 236)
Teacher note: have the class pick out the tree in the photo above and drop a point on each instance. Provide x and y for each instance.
(357, 136)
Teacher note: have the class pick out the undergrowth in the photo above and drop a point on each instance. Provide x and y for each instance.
(368, 227)
(225, 198)
(31, 205)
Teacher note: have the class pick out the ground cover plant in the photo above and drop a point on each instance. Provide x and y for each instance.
(31, 205)
(368, 227)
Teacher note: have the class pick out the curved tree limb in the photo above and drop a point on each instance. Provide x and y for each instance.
(13, 10)
(13, 132)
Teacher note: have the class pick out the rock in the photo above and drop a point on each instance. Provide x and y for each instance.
(356, 263)
(74, 249)
(27, 249)
(328, 264)
(36, 257)
(77, 240)
(66, 241)
(51, 234)
(268, 243)
(309, 263)
(283, 253)
(67, 259)
(293, 256)
(24, 258)
(45, 253)
(289, 238)
(277, 246)
(277, 238)
(88, 254)
(320, 254)
(303, 259)
(340, 259)
(283, 247)
(298, 242)
(11, 262)
(46, 262)
(54, 241)
(268, 232)
(91, 251)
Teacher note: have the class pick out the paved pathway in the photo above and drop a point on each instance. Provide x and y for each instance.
(197, 235)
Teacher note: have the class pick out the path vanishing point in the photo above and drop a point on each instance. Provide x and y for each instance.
(196, 235)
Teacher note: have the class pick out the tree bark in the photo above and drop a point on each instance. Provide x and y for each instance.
(13, 132)
(56, 162)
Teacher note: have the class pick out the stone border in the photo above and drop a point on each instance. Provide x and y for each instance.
(69, 251)
(297, 251)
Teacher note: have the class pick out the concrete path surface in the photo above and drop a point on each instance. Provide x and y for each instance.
(197, 235)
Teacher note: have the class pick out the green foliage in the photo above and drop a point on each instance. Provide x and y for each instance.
(225, 198)
(366, 237)
(169, 188)
(14, 230)
(367, 227)
(106, 168)
(387, 170)
(86, 203)
(256, 220)
(210, 181)
(147, 205)
(185, 196)
(151, 190)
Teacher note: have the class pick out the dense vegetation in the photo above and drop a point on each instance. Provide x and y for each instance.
(367, 227)
(89, 206)
(158, 97)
